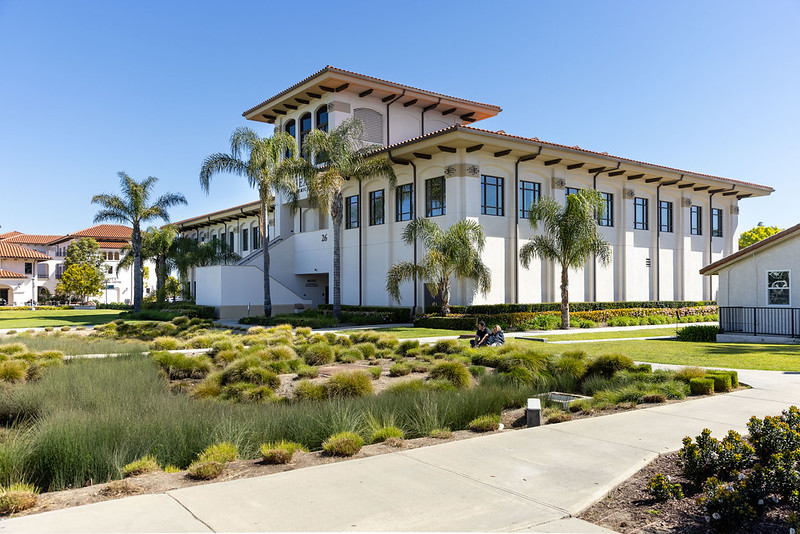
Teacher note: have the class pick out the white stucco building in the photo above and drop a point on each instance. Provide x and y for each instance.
(29, 261)
(664, 224)
(757, 294)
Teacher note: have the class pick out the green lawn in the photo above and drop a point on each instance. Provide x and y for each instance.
(730, 355)
(38, 318)
(411, 332)
(589, 334)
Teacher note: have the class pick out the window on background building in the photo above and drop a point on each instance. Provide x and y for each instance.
(305, 128)
(116, 256)
(59, 270)
(529, 193)
(607, 217)
(640, 215)
(779, 288)
(244, 239)
(405, 202)
(41, 270)
(256, 238)
(492, 195)
(571, 191)
(28, 268)
(290, 129)
(322, 118)
(351, 212)
(376, 207)
(696, 220)
(716, 222)
(214, 239)
(665, 216)
(230, 240)
(110, 270)
(435, 196)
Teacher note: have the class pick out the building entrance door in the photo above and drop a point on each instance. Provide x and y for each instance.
(4, 297)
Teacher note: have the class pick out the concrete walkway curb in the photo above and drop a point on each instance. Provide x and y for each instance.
(533, 480)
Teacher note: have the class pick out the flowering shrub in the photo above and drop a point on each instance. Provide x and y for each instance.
(662, 488)
(773, 435)
(708, 457)
(730, 505)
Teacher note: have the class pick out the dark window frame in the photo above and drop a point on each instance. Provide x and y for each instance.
(607, 218)
(404, 193)
(245, 243)
(352, 206)
(641, 215)
(435, 207)
(571, 191)
(667, 225)
(696, 220)
(256, 238)
(377, 198)
(497, 184)
(716, 222)
(532, 190)
(323, 109)
(305, 132)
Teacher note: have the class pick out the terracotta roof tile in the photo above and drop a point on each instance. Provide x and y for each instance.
(111, 231)
(32, 239)
(112, 244)
(574, 148)
(9, 234)
(329, 68)
(10, 274)
(11, 250)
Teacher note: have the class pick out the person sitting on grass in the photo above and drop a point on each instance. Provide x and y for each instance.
(481, 336)
(497, 337)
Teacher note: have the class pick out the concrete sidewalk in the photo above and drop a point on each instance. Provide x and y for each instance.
(533, 480)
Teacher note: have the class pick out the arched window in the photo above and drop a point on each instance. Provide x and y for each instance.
(305, 128)
(322, 118)
(373, 124)
(291, 130)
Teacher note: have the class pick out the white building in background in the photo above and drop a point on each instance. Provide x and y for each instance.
(664, 224)
(33, 260)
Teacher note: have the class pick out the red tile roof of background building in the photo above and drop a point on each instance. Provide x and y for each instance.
(32, 239)
(11, 250)
(101, 231)
(9, 234)
(10, 274)
(112, 244)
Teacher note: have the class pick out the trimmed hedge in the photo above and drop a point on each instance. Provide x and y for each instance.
(701, 386)
(699, 333)
(370, 314)
(493, 309)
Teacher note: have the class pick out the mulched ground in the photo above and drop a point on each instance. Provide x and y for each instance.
(629, 509)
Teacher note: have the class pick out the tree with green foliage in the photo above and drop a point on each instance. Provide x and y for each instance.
(81, 279)
(134, 208)
(452, 253)
(756, 234)
(570, 237)
(268, 163)
(84, 251)
(156, 246)
(172, 288)
(340, 156)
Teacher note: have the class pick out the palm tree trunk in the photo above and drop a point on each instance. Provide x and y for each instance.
(161, 277)
(564, 298)
(336, 215)
(446, 296)
(265, 253)
(138, 275)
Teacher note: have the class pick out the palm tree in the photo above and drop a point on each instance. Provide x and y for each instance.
(455, 252)
(341, 156)
(267, 168)
(156, 245)
(570, 237)
(134, 208)
(185, 253)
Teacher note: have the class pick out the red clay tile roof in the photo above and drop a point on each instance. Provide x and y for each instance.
(32, 239)
(774, 239)
(9, 234)
(112, 244)
(101, 231)
(10, 274)
(329, 68)
(11, 250)
(459, 127)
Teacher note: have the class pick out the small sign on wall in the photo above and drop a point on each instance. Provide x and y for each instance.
(311, 283)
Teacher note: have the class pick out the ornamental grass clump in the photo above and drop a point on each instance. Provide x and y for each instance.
(441, 433)
(366, 349)
(485, 423)
(454, 372)
(608, 364)
(343, 444)
(407, 345)
(147, 464)
(400, 369)
(662, 488)
(349, 384)
(167, 343)
(307, 371)
(387, 432)
(375, 371)
(178, 366)
(219, 452)
(205, 470)
(13, 371)
(12, 348)
(250, 369)
(279, 452)
(17, 497)
(318, 354)
(308, 390)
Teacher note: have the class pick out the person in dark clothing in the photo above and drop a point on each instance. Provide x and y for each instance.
(497, 337)
(481, 336)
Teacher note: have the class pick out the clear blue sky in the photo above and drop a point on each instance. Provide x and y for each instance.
(89, 88)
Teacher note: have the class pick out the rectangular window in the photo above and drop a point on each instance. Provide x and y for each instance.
(492, 195)
(376, 207)
(351, 212)
(640, 215)
(607, 217)
(405, 202)
(256, 239)
(529, 193)
(571, 191)
(779, 288)
(41, 270)
(696, 220)
(230, 238)
(665, 216)
(435, 196)
(110, 270)
(244, 239)
(28, 268)
(59, 270)
(716, 222)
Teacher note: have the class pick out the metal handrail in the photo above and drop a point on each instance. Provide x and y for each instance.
(760, 320)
